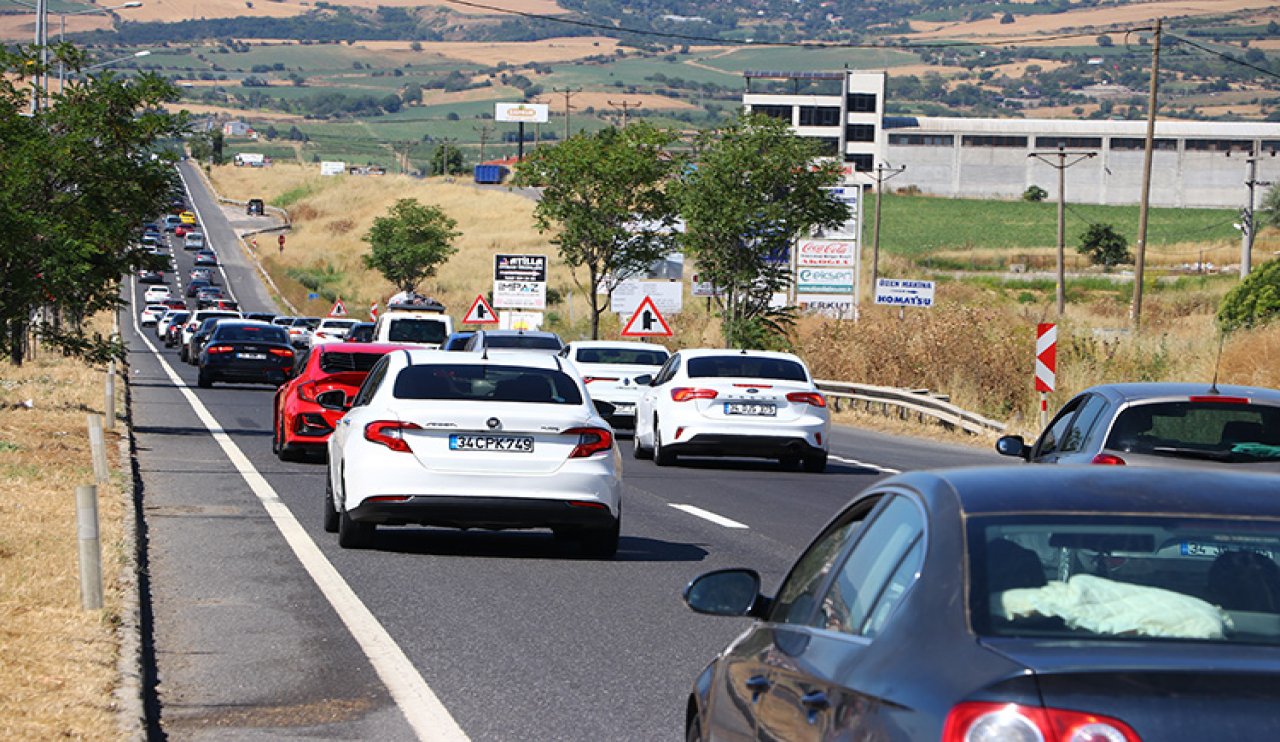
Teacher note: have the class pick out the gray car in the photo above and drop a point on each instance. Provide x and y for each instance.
(515, 340)
(1161, 424)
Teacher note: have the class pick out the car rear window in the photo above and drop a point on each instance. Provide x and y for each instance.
(230, 333)
(1232, 432)
(336, 362)
(746, 367)
(413, 330)
(345, 323)
(622, 356)
(1118, 578)
(310, 323)
(486, 383)
(536, 342)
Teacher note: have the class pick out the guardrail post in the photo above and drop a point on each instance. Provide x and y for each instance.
(111, 396)
(90, 551)
(98, 449)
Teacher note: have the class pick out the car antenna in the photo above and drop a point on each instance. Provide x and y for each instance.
(1217, 363)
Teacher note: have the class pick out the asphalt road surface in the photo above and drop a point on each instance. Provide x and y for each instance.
(262, 628)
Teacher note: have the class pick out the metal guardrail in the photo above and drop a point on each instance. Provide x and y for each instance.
(904, 401)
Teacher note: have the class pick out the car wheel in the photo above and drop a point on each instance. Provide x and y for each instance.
(330, 510)
(816, 464)
(637, 450)
(284, 451)
(602, 543)
(693, 730)
(353, 535)
(789, 462)
(182, 354)
(204, 380)
(662, 456)
(275, 438)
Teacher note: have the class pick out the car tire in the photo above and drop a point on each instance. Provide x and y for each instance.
(354, 535)
(662, 455)
(790, 463)
(182, 354)
(816, 464)
(331, 516)
(638, 451)
(601, 543)
(693, 729)
(204, 380)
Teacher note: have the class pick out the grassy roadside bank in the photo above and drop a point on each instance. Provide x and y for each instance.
(60, 660)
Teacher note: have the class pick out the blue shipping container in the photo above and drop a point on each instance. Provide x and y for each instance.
(490, 173)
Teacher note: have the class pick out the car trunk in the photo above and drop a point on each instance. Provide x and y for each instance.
(614, 382)
(463, 437)
(750, 399)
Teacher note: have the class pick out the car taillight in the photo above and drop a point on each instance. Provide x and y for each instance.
(686, 393)
(809, 398)
(215, 349)
(590, 441)
(307, 392)
(589, 379)
(1010, 722)
(320, 334)
(282, 352)
(1107, 459)
(754, 386)
(390, 434)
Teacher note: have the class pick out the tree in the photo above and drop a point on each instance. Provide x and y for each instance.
(1105, 41)
(1253, 301)
(1104, 245)
(76, 183)
(1268, 214)
(605, 194)
(410, 242)
(1007, 18)
(756, 189)
(445, 160)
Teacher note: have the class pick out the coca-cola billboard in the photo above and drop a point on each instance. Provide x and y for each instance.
(826, 253)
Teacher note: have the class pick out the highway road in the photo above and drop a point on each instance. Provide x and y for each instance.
(261, 627)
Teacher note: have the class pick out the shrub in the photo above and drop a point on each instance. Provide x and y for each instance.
(1104, 245)
(1035, 194)
(1254, 301)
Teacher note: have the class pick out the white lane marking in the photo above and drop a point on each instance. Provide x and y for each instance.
(208, 237)
(863, 464)
(719, 520)
(421, 707)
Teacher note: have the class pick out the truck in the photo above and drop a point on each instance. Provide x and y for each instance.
(490, 174)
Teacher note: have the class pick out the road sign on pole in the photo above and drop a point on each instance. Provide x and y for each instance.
(339, 309)
(646, 322)
(480, 313)
(1046, 365)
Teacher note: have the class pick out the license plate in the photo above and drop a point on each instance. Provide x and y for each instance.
(252, 356)
(761, 409)
(624, 409)
(1192, 548)
(515, 443)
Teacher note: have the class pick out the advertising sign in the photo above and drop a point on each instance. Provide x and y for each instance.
(529, 113)
(826, 253)
(850, 196)
(824, 280)
(520, 281)
(520, 268)
(520, 320)
(704, 288)
(332, 167)
(835, 306)
(903, 293)
(668, 296)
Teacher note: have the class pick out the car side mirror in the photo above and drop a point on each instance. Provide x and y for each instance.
(643, 380)
(1013, 445)
(606, 409)
(724, 592)
(334, 399)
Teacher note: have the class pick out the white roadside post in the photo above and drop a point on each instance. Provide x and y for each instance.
(90, 550)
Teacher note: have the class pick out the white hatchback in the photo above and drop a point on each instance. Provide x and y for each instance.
(460, 441)
(151, 314)
(156, 294)
(331, 330)
(609, 369)
(733, 403)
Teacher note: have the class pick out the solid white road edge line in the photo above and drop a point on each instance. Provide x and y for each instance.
(719, 520)
(421, 707)
(865, 465)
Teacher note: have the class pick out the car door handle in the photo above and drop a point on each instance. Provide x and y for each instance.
(815, 701)
(758, 684)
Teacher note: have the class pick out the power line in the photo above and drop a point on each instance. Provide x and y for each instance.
(1225, 56)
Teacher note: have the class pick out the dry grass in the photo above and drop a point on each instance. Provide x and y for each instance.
(60, 661)
(201, 109)
(491, 53)
(1093, 17)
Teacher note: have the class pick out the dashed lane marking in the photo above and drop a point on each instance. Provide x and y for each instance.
(698, 512)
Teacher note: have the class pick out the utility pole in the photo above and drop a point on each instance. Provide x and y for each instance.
(1061, 154)
(444, 155)
(626, 106)
(484, 131)
(568, 94)
(1248, 224)
(1135, 311)
(880, 177)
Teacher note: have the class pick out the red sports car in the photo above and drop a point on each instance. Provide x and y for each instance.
(302, 425)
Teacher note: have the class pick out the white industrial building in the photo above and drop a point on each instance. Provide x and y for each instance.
(1195, 163)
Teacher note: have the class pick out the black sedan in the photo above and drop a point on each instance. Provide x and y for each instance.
(1024, 603)
(246, 351)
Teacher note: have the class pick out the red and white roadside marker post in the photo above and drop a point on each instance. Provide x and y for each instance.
(1046, 366)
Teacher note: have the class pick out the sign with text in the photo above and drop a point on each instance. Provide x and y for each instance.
(826, 253)
(704, 288)
(520, 281)
(904, 293)
(835, 306)
(851, 197)
(824, 280)
(667, 296)
(529, 113)
(520, 268)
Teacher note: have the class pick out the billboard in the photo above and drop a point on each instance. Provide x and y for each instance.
(528, 113)
(903, 293)
(826, 253)
(824, 280)
(332, 167)
(520, 281)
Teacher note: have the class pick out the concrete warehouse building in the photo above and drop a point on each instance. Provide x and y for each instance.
(1195, 163)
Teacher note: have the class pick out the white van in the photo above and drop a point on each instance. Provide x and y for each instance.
(422, 323)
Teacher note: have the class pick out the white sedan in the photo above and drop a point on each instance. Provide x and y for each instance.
(609, 369)
(156, 294)
(733, 403)
(151, 314)
(460, 441)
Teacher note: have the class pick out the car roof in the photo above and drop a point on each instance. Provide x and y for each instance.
(617, 344)
(1086, 489)
(513, 358)
(242, 322)
(518, 333)
(1134, 391)
(704, 352)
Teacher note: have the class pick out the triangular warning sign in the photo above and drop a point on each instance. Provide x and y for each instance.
(339, 309)
(480, 313)
(646, 322)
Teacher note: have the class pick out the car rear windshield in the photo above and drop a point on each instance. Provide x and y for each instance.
(1126, 577)
(535, 342)
(1233, 432)
(345, 323)
(251, 333)
(485, 383)
(622, 356)
(310, 323)
(336, 363)
(746, 367)
(413, 330)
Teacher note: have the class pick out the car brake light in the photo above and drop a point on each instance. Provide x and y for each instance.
(321, 334)
(214, 349)
(589, 379)
(590, 441)
(390, 434)
(810, 398)
(685, 393)
(754, 386)
(1220, 399)
(282, 352)
(307, 392)
(1107, 459)
(1010, 722)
